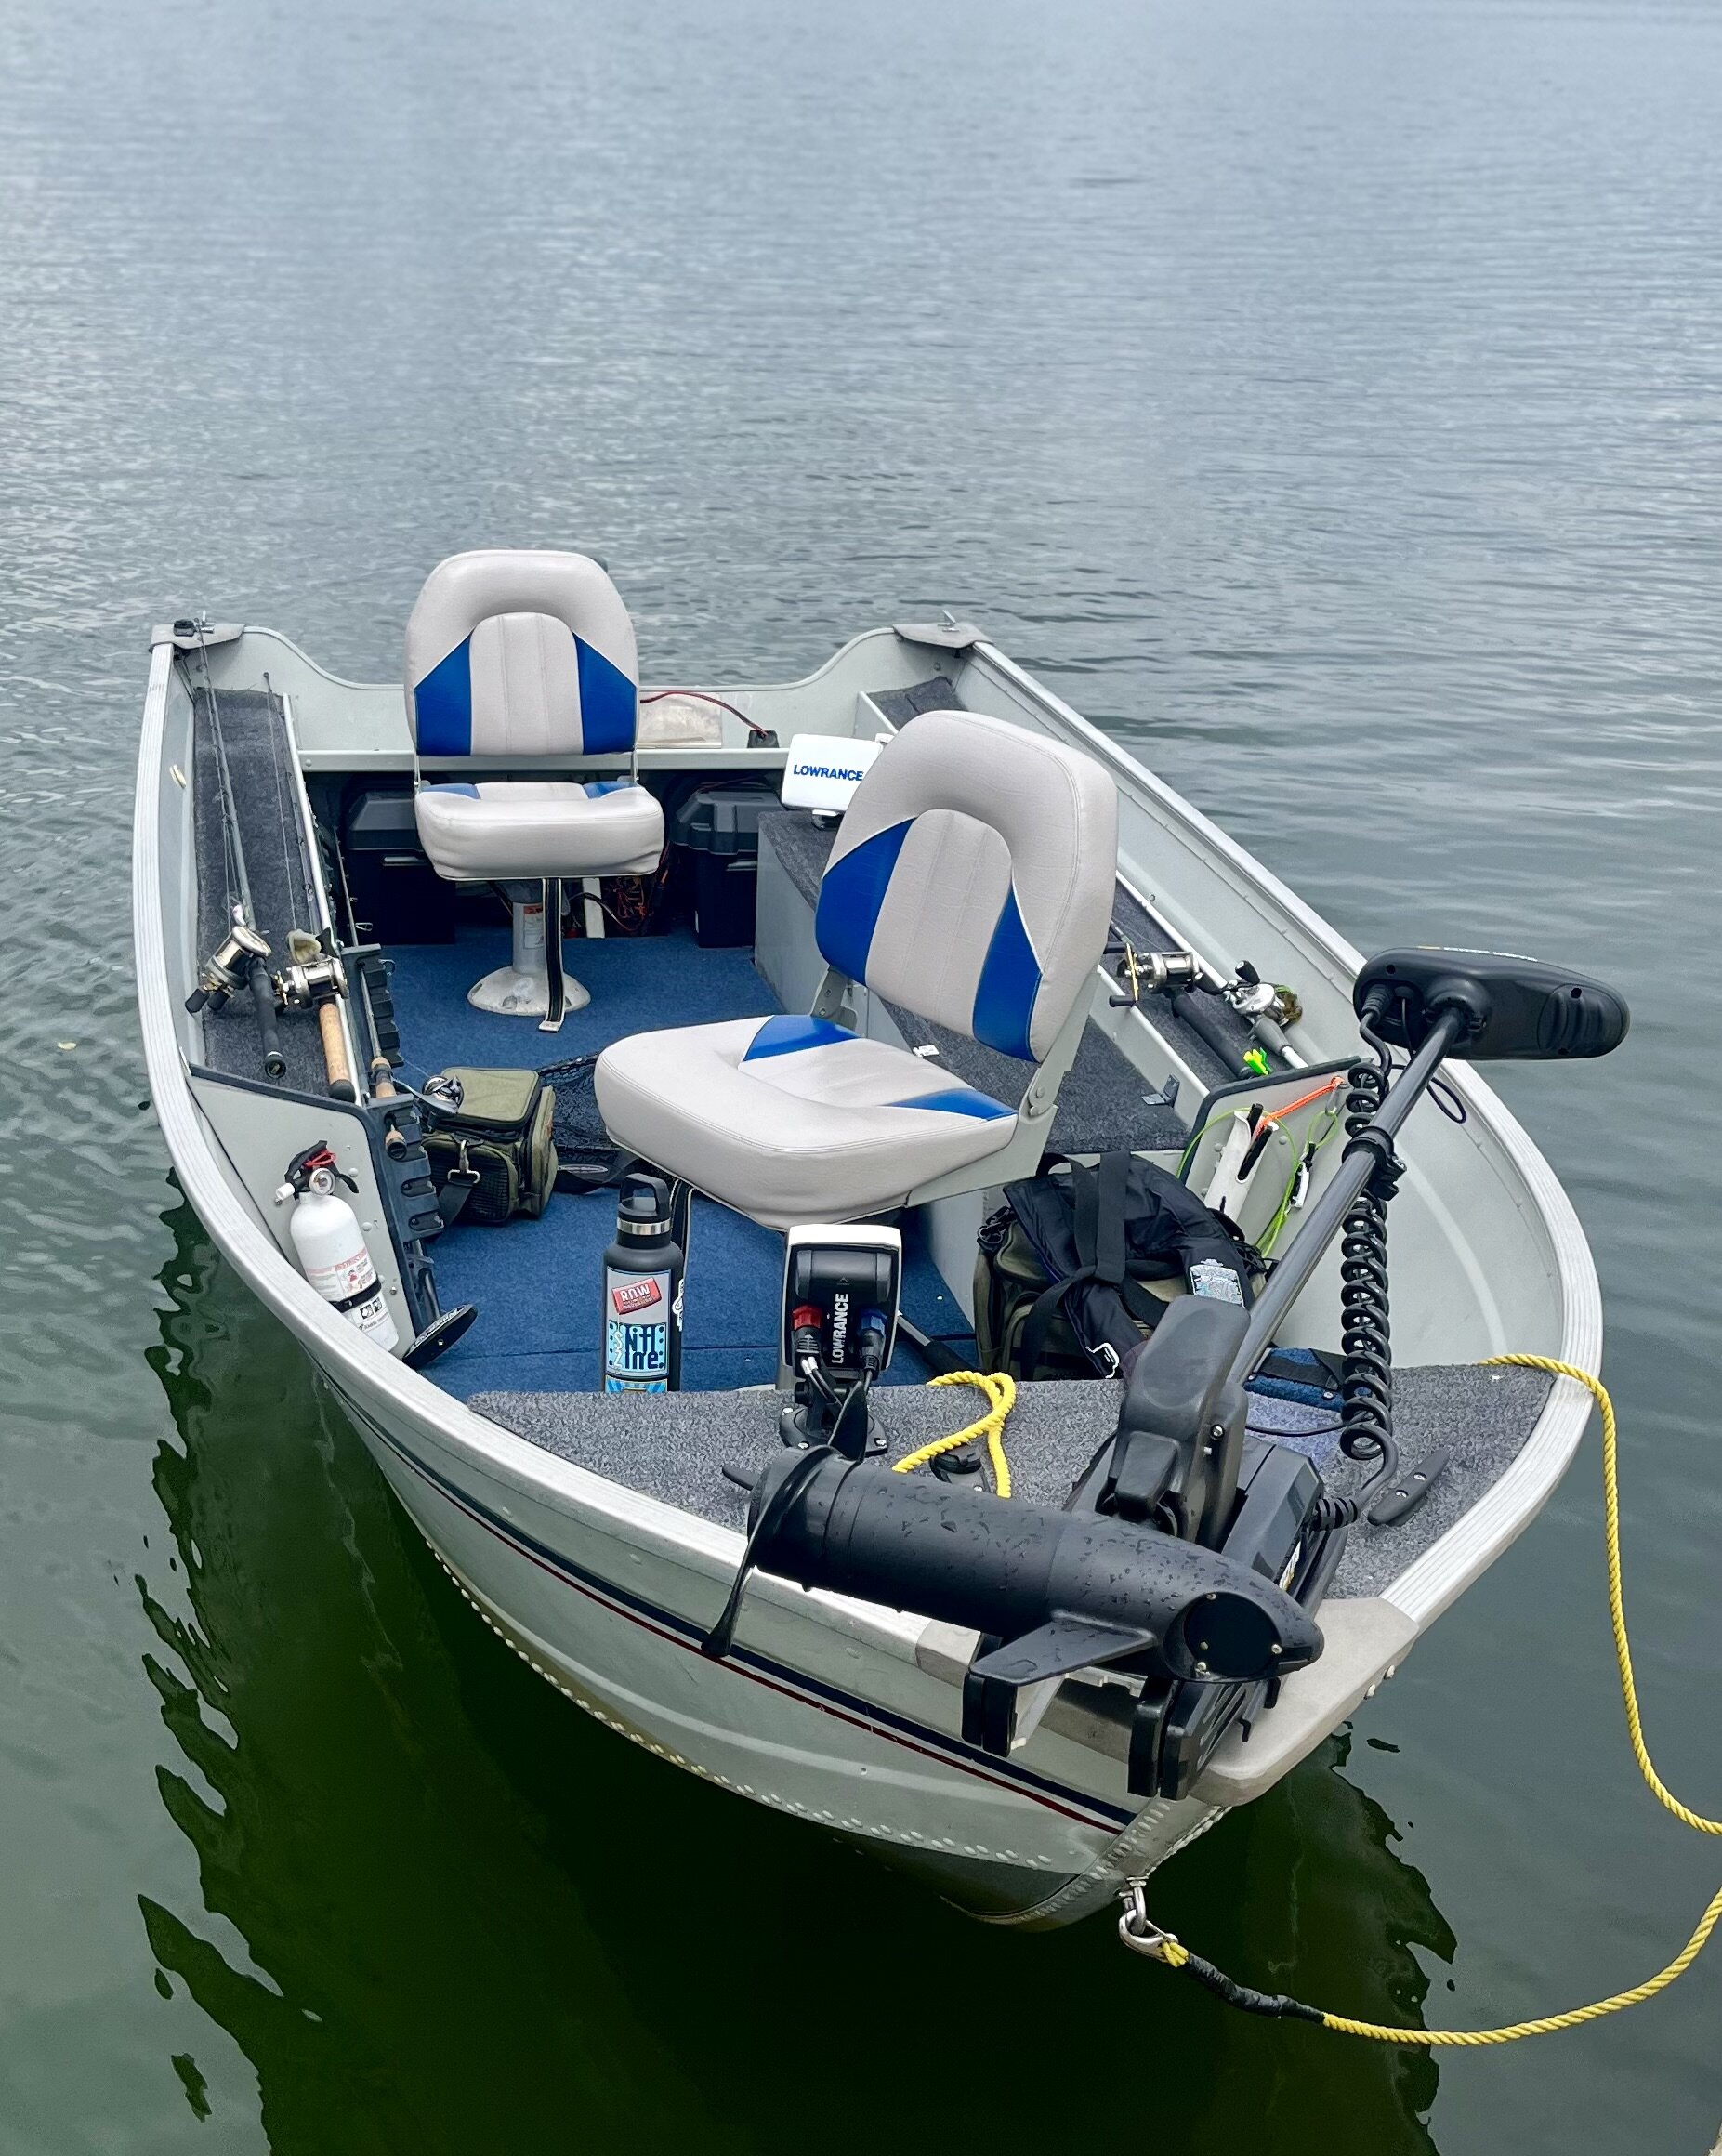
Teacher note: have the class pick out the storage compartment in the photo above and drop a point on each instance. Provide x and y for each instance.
(715, 833)
(395, 888)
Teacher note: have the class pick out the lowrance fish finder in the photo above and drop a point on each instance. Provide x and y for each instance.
(842, 1287)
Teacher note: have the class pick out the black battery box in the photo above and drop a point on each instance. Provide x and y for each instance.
(715, 833)
(394, 886)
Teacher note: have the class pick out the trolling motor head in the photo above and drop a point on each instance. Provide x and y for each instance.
(226, 969)
(1510, 1009)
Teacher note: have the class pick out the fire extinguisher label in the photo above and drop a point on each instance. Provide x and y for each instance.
(350, 1276)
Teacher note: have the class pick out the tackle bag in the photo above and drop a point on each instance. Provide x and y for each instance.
(1062, 1268)
(493, 1156)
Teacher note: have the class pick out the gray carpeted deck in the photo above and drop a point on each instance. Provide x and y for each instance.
(261, 774)
(675, 1446)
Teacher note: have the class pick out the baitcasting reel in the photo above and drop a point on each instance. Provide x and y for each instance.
(308, 981)
(1153, 972)
(228, 969)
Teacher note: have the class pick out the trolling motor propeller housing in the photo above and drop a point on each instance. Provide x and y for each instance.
(1514, 1010)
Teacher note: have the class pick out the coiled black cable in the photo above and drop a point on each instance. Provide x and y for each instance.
(1366, 1383)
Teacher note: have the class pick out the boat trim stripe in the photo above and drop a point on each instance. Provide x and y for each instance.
(896, 1729)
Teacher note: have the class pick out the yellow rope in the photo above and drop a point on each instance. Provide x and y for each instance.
(1172, 1951)
(1617, 1602)
(1001, 1391)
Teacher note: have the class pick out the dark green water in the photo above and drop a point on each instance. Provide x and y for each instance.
(1324, 397)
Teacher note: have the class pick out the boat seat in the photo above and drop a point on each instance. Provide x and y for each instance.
(971, 883)
(526, 655)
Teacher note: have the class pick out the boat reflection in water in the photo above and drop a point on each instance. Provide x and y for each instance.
(484, 1923)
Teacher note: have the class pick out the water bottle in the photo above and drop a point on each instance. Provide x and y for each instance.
(642, 1292)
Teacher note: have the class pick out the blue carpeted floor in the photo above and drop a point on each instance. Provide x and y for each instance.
(537, 1282)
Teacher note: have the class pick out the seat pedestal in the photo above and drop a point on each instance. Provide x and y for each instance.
(533, 984)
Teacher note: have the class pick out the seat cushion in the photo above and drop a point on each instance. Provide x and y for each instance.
(531, 827)
(793, 1119)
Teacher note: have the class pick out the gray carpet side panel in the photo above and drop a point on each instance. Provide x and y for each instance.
(899, 706)
(261, 773)
(802, 845)
(673, 1446)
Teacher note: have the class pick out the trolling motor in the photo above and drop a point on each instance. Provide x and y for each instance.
(841, 1291)
(1190, 1554)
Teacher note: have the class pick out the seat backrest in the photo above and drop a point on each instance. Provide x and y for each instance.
(520, 654)
(972, 879)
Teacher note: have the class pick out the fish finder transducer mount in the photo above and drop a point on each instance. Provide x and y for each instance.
(842, 1286)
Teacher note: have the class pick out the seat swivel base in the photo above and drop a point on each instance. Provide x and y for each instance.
(533, 984)
(513, 995)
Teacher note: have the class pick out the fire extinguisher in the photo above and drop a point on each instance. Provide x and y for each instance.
(330, 1245)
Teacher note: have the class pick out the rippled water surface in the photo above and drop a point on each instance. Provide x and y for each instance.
(1325, 397)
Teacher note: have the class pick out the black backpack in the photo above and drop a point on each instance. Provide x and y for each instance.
(1059, 1281)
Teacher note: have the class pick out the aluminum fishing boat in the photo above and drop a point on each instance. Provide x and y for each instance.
(871, 947)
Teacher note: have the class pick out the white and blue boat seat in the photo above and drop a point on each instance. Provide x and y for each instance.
(526, 655)
(971, 883)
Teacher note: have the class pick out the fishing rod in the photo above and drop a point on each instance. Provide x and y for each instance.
(237, 960)
(370, 967)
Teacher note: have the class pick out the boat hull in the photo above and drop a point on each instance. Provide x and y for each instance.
(1005, 1839)
(833, 1710)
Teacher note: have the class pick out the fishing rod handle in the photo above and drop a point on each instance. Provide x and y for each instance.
(334, 1050)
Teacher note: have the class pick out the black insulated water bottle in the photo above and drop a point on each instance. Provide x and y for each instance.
(643, 1293)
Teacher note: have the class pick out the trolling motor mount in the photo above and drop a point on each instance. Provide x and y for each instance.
(1049, 1591)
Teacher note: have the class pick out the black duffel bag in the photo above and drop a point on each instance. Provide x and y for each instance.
(1059, 1278)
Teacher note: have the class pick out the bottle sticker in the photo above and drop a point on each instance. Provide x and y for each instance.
(628, 1297)
(636, 1333)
